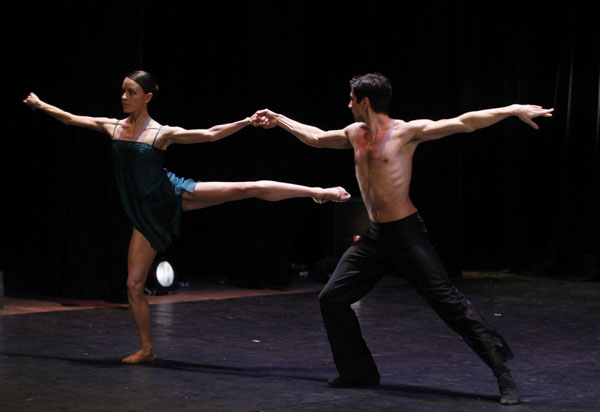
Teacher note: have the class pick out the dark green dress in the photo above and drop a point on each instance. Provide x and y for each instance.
(151, 195)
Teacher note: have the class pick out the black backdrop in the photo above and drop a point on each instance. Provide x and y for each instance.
(506, 197)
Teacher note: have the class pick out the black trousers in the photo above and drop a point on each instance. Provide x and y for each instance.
(400, 248)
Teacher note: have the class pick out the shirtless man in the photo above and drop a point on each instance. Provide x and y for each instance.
(397, 241)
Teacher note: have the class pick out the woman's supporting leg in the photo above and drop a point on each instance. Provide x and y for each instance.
(140, 259)
(213, 193)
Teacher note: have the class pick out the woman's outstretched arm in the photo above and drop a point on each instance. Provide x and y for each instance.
(100, 124)
(184, 136)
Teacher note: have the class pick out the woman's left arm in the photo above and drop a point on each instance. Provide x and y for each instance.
(184, 136)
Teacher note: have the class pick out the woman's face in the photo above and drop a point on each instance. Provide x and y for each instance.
(133, 98)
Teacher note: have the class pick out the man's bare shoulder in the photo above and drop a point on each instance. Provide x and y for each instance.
(356, 126)
(353, 129)
(417, 123)
(408, 129)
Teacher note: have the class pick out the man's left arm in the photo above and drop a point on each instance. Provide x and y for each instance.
(471, 121)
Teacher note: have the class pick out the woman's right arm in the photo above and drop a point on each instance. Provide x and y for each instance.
(100, 124)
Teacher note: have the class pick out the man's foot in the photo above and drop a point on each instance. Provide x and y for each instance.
(509, 392)
(334, 194)
(140, 356)
(369, 380)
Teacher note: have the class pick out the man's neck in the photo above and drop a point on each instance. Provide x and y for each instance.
(376, 123)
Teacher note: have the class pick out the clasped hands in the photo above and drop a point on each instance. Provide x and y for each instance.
(264, 118)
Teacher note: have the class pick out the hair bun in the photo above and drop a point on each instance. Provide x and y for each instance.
(146, 82)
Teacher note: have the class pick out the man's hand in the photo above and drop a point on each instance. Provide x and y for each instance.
(527, 112)
(266, 118)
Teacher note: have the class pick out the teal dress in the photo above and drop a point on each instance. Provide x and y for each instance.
(151, 195)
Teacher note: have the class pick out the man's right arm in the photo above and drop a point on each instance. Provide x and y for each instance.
(310, 135)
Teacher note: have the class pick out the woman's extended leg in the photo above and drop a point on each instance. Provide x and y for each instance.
(213, 193)
(140, 259)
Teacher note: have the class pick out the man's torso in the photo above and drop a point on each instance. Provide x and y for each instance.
(383, 166)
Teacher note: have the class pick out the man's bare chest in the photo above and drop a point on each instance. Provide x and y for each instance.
(376, 151)
(383, 161)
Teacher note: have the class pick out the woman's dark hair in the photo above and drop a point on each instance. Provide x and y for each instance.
(376, 87)
(146, 82)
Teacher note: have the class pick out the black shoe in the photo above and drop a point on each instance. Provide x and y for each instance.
(369, 380)
(509, 393)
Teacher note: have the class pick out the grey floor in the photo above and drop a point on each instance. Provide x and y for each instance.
(270, 353)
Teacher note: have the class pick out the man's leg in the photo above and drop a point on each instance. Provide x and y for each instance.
(428, 276)
(355, 275)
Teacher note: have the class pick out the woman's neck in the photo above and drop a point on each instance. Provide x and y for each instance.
(138, 119)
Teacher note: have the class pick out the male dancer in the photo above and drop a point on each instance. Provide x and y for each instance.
(397, 240)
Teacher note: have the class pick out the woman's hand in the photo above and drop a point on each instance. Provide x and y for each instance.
(254, 121)
(33, 101)
(333, 194)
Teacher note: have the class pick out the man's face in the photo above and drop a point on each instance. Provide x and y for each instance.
(356, 108)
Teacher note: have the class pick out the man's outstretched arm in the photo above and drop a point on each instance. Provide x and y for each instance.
(310, 135)
(471, 121)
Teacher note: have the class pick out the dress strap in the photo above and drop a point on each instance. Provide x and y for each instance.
(115, 129)
(156, 135)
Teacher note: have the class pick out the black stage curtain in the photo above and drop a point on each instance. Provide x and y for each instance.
(506, 197)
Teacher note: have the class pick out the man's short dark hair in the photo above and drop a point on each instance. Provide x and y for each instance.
(376, 87)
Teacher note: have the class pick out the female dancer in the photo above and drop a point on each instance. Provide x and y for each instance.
(153, 197)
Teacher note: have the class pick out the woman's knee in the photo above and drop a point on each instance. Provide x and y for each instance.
(135, 289)
(252, 189)
(135, 283)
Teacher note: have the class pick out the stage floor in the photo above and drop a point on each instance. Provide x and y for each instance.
(269, 352)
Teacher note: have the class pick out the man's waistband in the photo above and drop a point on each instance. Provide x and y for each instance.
(413, 221)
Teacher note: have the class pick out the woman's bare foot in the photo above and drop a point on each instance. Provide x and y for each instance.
(143, 355)
(334, 194)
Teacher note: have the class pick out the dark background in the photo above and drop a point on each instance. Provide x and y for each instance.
(503, 198)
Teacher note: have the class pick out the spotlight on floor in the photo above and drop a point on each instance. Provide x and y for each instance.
(161, 278)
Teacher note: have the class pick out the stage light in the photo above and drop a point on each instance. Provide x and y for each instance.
(161, 278)
(165, 275)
